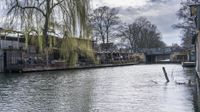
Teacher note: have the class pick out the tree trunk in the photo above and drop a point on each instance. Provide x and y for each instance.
(45, 30)
(103, 39)
(107, 35)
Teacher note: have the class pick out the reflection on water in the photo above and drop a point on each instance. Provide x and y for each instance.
(140, 88)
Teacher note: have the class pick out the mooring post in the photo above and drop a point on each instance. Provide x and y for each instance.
(165, 73)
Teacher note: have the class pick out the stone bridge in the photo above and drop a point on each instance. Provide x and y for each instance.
(167, 54)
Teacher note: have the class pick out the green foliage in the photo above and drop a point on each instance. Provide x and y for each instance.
(40, 42)
(72, 47)
(26, 39)
(41, 16)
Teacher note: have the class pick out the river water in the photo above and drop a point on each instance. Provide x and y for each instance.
(138, 88)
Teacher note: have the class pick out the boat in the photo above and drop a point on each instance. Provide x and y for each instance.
(188, 64)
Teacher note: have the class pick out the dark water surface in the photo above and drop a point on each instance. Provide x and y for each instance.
(139, 88)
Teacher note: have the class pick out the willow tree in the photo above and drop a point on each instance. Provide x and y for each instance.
(66, 18)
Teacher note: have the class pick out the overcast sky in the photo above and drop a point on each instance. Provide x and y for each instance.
(159, 12)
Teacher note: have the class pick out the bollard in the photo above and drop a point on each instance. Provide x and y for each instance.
(165, 73)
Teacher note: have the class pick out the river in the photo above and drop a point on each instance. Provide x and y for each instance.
(138, 88)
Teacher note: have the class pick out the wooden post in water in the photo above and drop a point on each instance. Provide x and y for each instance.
(165, 73)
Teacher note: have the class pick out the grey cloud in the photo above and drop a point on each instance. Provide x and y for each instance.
(158, 13)
(158, 1)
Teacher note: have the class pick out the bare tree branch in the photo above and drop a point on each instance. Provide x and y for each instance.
(17, 5)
